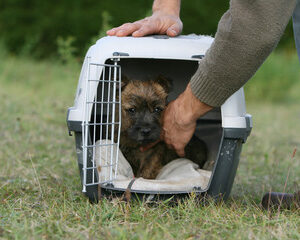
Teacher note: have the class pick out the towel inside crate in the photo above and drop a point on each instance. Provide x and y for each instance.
(179, 175)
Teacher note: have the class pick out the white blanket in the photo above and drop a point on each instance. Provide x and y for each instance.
(179, 175)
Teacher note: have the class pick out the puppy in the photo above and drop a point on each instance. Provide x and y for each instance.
(143, 103)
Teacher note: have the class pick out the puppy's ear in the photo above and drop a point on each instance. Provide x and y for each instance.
(166, 83)
(124, 81)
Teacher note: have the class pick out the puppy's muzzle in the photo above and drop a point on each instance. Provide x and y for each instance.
(145, 132)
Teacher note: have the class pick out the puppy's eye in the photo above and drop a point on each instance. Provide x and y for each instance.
(131, 110)
(157, 110)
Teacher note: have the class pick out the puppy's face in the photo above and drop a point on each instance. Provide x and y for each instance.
(142, 105)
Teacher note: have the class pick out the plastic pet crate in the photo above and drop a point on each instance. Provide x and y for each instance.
(98, 100)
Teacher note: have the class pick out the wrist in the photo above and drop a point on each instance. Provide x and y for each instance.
(166, 7)
(190, 108)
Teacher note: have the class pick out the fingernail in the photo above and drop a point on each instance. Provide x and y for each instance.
(173, 33)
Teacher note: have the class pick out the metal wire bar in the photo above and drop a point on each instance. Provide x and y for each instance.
(101, 114)
(94, 136)
(104, 166)
(107, 81)
(103, 182)
(107, 119)
(100, 145)
(84, 130)
(113, 116)
(119, 126)
(105, 65)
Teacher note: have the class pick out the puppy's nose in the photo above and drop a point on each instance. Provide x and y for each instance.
(145, 131)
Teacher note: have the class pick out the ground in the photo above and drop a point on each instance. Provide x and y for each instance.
(40, 190)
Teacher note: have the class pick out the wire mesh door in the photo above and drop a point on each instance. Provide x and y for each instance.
(101, 124)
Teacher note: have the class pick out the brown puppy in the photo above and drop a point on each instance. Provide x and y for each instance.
(142, 105)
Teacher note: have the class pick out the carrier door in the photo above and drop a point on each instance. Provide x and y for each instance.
(101, 124)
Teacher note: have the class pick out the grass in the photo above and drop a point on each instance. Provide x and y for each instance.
(40, 192)
(278, 80)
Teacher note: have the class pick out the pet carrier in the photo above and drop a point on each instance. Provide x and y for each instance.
(95, 119)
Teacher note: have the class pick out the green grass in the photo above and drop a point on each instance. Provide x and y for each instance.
(40, 192)
(278, 80)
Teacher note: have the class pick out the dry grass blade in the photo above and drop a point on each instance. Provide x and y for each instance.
(36, 177)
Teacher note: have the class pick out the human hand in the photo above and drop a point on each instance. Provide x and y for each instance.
(179, 120)
(159, 23)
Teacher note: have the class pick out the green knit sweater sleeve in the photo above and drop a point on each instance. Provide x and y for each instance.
(247, 33)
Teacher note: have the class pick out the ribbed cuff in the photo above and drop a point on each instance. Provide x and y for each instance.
(207, 91)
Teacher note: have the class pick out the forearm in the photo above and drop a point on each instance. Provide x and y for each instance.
(246, 35)
(171, 7)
